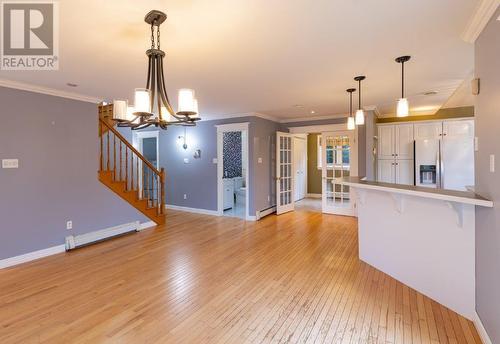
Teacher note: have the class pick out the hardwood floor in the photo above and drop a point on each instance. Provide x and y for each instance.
(201, 279)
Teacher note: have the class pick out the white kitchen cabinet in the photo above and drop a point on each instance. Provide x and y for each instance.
(458, 129)
(428, 130)
(403, 142)
(386, 142)
(386, 171)
(404, 172)
(395, 141)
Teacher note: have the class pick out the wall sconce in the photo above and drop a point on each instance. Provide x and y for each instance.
(182, 139)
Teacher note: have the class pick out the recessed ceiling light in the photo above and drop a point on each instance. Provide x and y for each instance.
(300, 106)
(313, 112)
(71, 84)
(430, 93)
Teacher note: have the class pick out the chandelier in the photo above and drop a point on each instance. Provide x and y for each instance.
(151, 104)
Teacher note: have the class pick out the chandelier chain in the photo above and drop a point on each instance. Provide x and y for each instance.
(158, 37)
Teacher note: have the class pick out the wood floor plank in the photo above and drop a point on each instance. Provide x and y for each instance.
(293, 278)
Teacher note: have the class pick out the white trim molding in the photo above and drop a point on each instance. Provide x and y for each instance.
(265, 212)
(314, 195)
(481, 330)
(481, 16)
(146, 225)
(48, 91)
(192, 210)
(318, 128)
(24, 258)
(313, 118)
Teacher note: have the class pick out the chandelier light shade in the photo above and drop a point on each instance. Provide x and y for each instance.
(351, 124)
(151, 104)
(360, 115)
(120, 108)
(403, 107)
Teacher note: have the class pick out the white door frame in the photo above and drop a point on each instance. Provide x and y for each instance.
(221, 129)
(353, 171)
(281, 209)
(137, 142)
(304, 138)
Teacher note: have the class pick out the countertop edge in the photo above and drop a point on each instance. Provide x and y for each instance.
(450, 198)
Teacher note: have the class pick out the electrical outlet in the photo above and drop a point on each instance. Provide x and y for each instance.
(69, 225)
(186, 160)
(185, 196)
(259, 160)
(10, 163)
(269, 198)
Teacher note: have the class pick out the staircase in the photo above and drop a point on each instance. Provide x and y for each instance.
(124, 170)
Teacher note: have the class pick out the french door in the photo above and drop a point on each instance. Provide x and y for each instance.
(284, 174)
(338, 160)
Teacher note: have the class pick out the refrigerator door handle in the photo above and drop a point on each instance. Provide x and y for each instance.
(441, 166)
(438, 170)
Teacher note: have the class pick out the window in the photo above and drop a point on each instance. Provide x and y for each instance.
(337, 152)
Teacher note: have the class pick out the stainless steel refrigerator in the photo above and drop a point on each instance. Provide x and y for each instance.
(446, 163)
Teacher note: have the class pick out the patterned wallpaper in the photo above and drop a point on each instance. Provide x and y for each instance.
(232, 154)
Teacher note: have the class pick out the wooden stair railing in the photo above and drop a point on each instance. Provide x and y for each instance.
(128, 173)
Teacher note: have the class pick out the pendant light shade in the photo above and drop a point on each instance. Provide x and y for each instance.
(120, 110)
(403, 107)
(187, 104)
(360, 114)
(351, 123)
(142, 104)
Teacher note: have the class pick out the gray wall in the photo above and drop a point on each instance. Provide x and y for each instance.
(198, 178)
(55, 140)
(487, 183)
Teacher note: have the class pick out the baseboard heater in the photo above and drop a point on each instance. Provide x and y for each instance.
(265, 212)
(76, 241)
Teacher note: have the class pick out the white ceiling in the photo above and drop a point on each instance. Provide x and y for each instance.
(266, 56)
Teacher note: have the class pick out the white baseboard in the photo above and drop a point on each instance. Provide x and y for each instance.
(146, 225)
(5, 263)
(251, 218)
(313, 195)
(192, 210)
(481, 330)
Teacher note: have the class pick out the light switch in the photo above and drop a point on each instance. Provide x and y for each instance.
(259, 160)
(186, 160)
(10, 163)
(492, 163)
(476, 144)
(214, 161)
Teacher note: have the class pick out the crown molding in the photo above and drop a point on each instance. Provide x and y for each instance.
(313, 118)
(47, 90)
(479, 19)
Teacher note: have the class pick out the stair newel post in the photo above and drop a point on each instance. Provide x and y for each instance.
(107, 155)
(126, 168)
(102, 146)
(132, 171)
(137, 177)
(162, 190)
(121, 162)
(114, 157)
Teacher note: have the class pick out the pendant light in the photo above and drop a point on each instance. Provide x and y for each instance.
(403, 108)
(351, 125)
(360, 115)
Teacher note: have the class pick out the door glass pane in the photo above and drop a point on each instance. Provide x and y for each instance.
(338, 153)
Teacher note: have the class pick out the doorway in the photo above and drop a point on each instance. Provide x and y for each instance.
(339, 159)
(300, 166)
(148, 144)
(232, 170)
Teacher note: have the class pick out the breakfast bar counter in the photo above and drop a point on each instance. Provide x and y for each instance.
(422, 237)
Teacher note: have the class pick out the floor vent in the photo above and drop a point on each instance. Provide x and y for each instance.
(76, 241)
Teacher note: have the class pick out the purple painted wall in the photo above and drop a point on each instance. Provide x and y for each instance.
(487, 110)
(55, 140)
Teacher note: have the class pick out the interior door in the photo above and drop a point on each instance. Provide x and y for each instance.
(339, 159)
(284, 174)
(299, 166)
